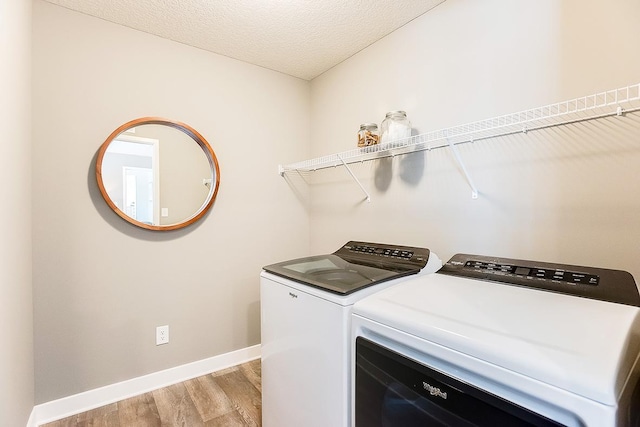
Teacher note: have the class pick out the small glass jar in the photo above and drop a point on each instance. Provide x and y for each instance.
(368, 134)
(394, 127)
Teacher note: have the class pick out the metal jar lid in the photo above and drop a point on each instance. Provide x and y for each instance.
(402, 114)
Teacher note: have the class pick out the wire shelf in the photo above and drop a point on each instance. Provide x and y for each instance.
(599, 105)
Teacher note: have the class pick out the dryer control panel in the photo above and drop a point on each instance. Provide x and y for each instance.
(554, 274)
(589, 282)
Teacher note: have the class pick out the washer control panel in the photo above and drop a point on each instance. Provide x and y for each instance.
(382, 251)
(390, 255)
(589, 282)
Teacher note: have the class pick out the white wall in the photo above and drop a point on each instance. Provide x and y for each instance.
(16, 313)
(566, 194)
(101, 286)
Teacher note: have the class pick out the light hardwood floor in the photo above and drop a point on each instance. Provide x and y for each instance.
(231, 397)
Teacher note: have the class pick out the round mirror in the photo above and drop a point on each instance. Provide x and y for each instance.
(157, 174)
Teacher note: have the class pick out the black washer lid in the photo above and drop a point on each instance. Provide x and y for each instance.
(355, 266)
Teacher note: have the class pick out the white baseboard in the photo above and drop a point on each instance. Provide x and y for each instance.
(81, 402)
(32, 419)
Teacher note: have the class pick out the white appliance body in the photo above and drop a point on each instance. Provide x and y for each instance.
(571, 360)
(306, 345)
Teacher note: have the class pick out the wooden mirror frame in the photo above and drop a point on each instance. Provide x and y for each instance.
(191, 132)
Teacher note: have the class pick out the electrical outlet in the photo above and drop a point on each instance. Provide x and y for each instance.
(162, 335)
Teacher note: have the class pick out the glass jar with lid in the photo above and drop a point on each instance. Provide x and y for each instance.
(395, 126)
(368, 134)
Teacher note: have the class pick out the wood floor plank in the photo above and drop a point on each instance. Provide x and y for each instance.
(176, 408)
(100, 412)
(210, 400)
(139, 411)
(244, 395)
(253, 371)
(224, 371)
(232, 419)
(227, 398)
(71, 421)
(109, 419)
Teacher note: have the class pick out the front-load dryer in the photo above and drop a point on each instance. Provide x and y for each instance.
(500, 342)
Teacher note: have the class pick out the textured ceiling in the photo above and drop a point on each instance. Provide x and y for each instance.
(302, 38)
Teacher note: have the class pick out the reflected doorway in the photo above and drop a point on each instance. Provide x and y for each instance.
(138, 193)
(133, 177)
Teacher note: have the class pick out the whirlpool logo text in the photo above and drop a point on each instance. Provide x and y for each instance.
(434, 391)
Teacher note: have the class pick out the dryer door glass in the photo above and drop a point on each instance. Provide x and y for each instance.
(392, 390)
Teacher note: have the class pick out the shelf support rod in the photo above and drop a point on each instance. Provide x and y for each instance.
(368, 198)
(456, 153)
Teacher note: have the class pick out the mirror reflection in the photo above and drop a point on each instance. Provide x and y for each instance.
(157, 174)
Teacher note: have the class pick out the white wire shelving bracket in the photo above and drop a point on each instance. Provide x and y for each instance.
(615, 102)
(456, 153)
(366, 193)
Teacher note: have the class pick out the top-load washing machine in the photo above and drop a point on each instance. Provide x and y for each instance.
(500, 342)
(306, 308)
